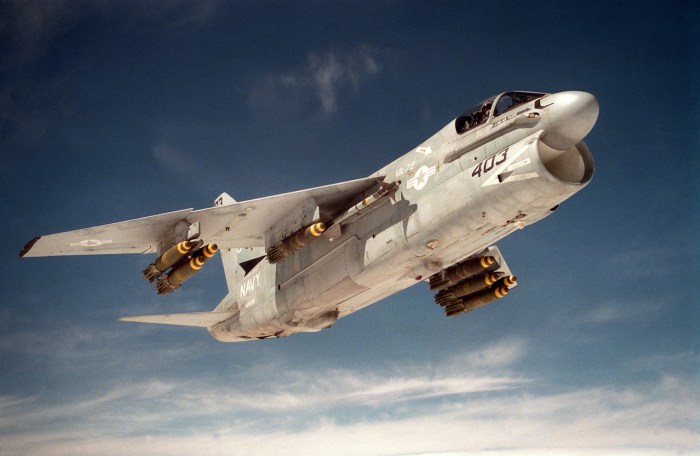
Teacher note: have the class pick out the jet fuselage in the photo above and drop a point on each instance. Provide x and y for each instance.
(499, 167)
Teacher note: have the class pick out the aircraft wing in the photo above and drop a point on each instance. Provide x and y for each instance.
(199, 319)
(244, 224)
(133, 236)
(241, 224)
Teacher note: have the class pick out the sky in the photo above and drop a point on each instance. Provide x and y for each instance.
(111, 111)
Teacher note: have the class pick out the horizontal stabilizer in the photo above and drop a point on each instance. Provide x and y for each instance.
(200, 319)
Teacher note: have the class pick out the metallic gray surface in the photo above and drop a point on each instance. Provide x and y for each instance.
(447, 200)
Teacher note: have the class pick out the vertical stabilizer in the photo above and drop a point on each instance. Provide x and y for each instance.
(237, 262)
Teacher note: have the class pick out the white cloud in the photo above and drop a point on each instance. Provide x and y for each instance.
(644, 261)
(619, 311)
(325, 391)
(665, 363)
(322, 77)
(644, 420)
(455, 406)
(500, 354)
(173, 159)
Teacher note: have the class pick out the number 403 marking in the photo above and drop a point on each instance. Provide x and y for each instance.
(489, 163)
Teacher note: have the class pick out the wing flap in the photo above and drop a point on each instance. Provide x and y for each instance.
(199, 319)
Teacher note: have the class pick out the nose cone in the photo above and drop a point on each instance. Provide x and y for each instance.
(571, 115)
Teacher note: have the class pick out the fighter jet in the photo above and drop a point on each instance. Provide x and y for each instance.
(298, 262)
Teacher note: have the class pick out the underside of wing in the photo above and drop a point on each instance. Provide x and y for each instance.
(133, 236)
(199, 319)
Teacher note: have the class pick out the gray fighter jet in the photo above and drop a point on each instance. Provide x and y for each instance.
(299, 261)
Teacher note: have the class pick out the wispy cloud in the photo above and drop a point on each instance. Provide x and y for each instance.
(326, 391)
(498, 355)
(172, 159)
(590, 421)
(249, 401)
(620, 311)
(670, 256)
(605, 313)
(323, 76)
(667, 364)
(455, 405)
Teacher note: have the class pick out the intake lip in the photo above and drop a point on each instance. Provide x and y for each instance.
(570, 117)
(573, 166)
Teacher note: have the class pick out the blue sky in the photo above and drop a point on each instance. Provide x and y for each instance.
(116, 110)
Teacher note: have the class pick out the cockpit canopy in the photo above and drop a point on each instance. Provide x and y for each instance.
(493, 107)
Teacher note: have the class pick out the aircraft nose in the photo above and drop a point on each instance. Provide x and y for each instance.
(571, 115)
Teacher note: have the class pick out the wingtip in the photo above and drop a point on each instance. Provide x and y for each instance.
(28, 246)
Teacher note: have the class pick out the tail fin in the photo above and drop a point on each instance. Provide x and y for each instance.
(237, 262)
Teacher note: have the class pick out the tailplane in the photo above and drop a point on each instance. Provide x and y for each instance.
(199, 319)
